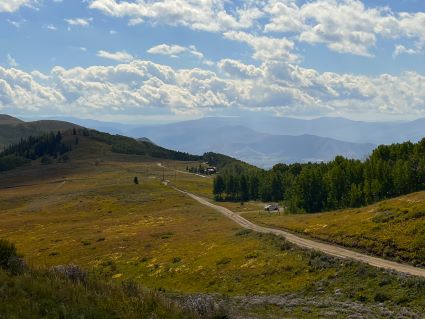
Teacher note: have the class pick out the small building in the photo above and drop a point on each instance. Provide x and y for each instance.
(211, 170)
(273, 207)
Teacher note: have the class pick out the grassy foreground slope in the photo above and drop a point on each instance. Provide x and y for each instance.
(45, 294)
(393, 228)
(88, 211)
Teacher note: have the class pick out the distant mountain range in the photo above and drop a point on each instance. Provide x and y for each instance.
(335, 128)
(237, 137)
(260, 149)
(265, 140)
(331, 127)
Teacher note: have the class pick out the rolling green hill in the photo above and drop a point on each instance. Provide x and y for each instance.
(21, 141)
(13, 129)
(9, 120)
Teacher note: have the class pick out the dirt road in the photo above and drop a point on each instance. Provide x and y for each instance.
(328, 249)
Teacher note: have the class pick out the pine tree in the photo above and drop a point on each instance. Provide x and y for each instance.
(218, 187)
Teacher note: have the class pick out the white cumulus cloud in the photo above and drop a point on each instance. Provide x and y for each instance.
(206, 15)
(120, 56)
(14, 5)
(274, 85)
(81, 22)
(175, 50)
(265, 48)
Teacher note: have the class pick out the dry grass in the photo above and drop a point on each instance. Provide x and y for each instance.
(101, 220)
(393, 229)
(90, 213)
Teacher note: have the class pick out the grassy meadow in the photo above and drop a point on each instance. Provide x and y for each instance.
(393, 229)
(89, 212)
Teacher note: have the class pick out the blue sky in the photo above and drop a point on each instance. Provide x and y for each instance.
(135, 60)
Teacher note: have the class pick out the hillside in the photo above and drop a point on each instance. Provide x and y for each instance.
(16, 154)
(394, 228)
(390, 171)
(68, 291)
(89, 212)
(13, 129)
(9, 120)
(78, 144)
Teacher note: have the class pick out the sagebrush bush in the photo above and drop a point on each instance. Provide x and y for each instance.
(71, 272)
(10, 260)
(7, 251)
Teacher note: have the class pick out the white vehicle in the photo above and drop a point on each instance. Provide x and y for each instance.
(271, 207)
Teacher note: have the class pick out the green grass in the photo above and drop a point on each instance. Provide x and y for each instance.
(393, 229)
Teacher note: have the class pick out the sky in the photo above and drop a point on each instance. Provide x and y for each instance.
(148, 61)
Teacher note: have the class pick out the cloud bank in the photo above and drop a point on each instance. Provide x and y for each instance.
(283, 88)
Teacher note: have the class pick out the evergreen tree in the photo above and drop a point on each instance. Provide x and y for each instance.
(244, 188)
(391, 170)
(218, 187)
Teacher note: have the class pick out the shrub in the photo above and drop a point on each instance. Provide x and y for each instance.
(131, 288)
(16, 265)
(243, 232)
(252, 255)
(7, 251)
(71, 272)
(285, 245)
(319, 261)
(224, 261)
(205, 307)
(381, 297)
(9, 258)
(45, 160)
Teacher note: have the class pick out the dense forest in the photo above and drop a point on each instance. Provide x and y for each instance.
(32, 148)
(391, 170)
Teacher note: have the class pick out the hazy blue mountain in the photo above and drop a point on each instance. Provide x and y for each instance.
(336, 128)
(331, 127)
(108, 127)
(265, 140)
(256, 148)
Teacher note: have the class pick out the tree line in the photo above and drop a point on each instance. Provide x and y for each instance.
(32, 148)
(391, 170)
